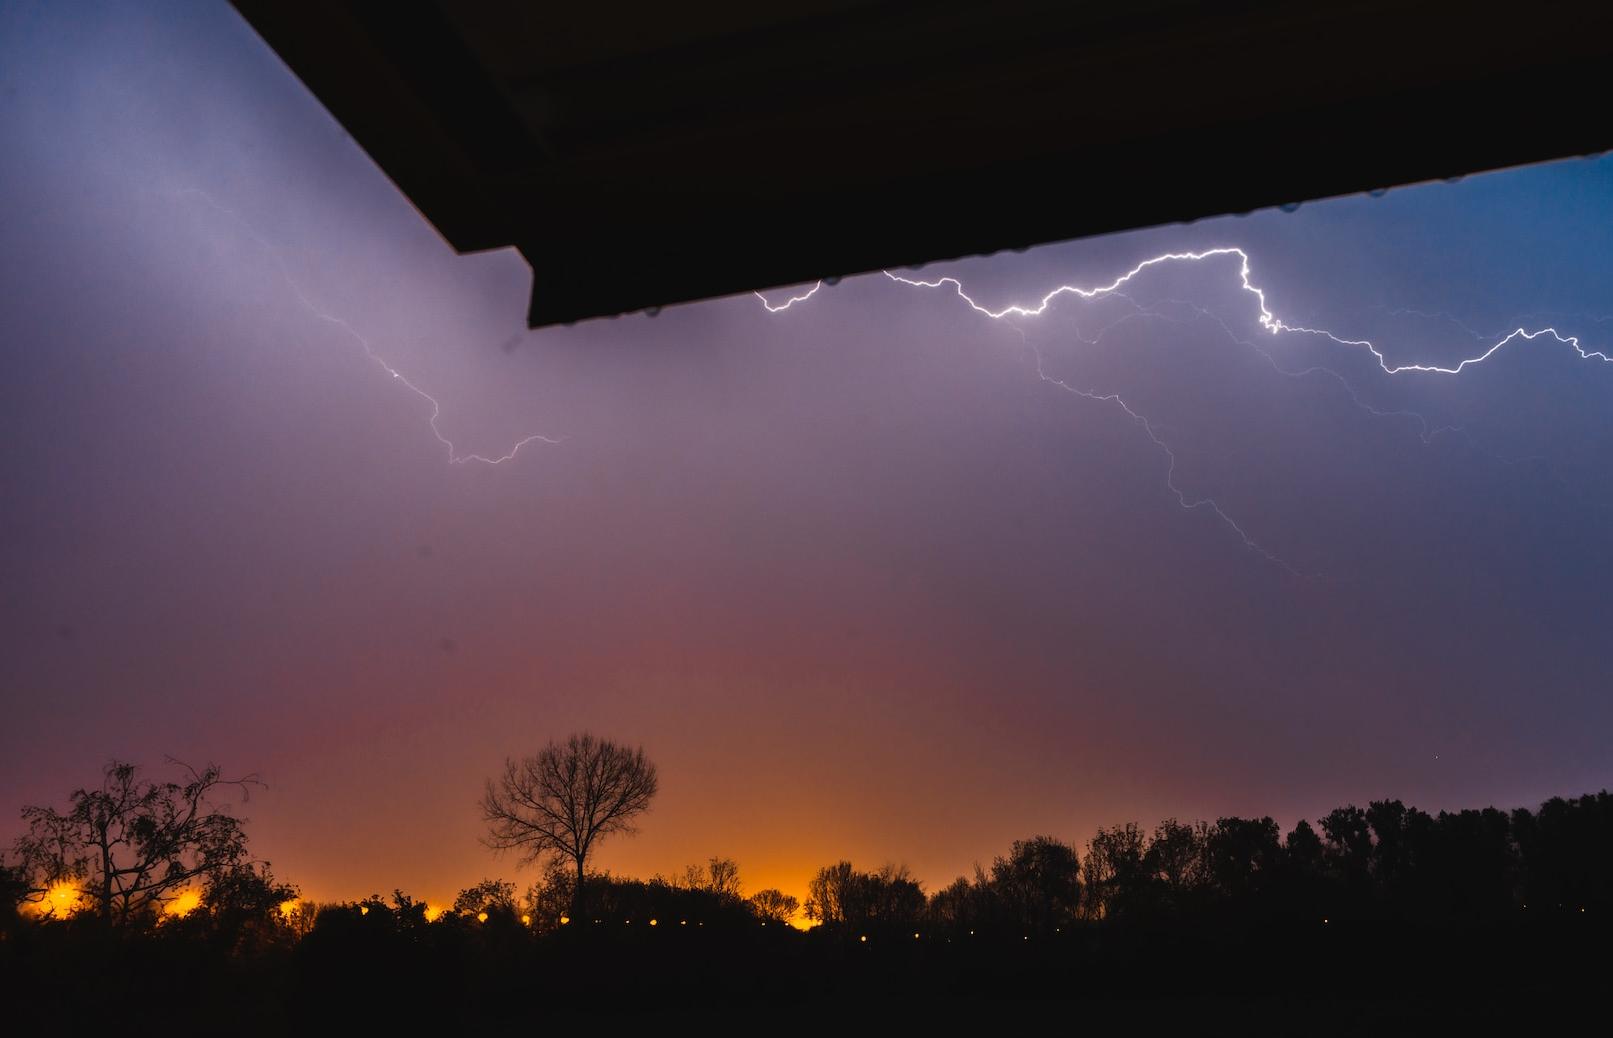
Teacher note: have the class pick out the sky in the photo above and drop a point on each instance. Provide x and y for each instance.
(866, 577)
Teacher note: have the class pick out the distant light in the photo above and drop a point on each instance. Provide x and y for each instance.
(565, 919)
(915, 937)
(683, 922)
(1324, 919)
(363, 909)
(863, 938)
(654, 922)
(62, 899)
(287, 907)
(184, 904)
(481, 917)
(433, 913)
(526, 920)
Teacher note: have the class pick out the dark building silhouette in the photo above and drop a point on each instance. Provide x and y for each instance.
(646, 154)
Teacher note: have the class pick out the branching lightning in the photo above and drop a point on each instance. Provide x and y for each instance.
(1267, 320)
(455, 457)
(1187, 503)
(774, 308)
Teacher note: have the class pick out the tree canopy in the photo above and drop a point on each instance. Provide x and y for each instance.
(130, 848)
(561, 801)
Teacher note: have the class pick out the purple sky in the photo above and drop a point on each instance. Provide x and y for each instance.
(858, 579)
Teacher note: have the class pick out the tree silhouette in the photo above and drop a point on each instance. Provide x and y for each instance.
(1175, 861)
(131, 847)
(718, 876)
(561, 801)
(841, 897)
(489, 897)
(1113, 871)
(774, 905)
(244, 907)
(1038, 884)
(826, 893)
(1242, 856)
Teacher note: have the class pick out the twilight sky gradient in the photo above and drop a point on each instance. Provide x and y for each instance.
(860, 582)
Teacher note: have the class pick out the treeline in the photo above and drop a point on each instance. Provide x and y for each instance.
(1383, 863)
(1376, 912)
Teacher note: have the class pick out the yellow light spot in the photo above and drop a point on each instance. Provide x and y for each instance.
(287, 907)
(654, 923)
(683, 922)
(863, 938)
(565, 919)
(481, 917)
(363, 909)
(183, 905)
(61, 900)
(433, 913)
(526, 920)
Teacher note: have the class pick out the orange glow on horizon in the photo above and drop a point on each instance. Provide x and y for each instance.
(436, 906)
(183, 905)
(64, 898)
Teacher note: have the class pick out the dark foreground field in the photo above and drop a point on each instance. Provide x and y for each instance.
(1325, 978)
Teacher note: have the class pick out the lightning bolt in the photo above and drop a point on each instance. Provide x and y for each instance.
(1427, 431)
(455, 457)
(1267, 319)
(781, 307)
(1188, 503)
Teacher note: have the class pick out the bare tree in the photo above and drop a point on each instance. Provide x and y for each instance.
(773, 905)
(719, 876)
(131, 847)
(722, 877)
(841, 896)
(558, 803)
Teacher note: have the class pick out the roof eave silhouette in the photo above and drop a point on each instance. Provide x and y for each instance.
(673, 153)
